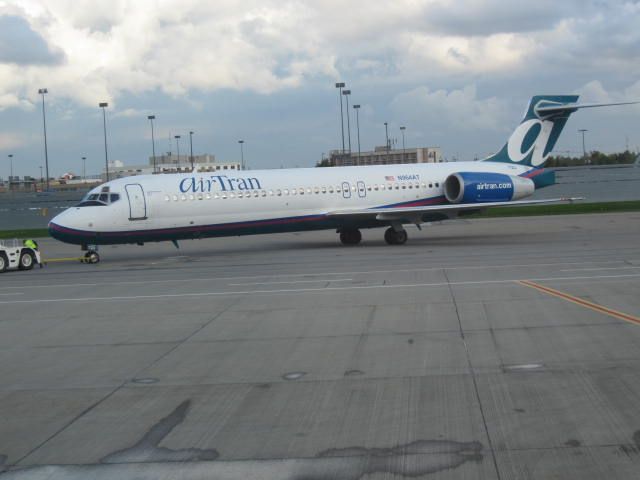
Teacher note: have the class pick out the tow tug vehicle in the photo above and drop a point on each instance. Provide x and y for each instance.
(16, 256)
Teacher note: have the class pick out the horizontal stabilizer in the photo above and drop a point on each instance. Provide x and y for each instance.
(546, 109)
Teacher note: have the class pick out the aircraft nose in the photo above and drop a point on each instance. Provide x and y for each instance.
(61, 228)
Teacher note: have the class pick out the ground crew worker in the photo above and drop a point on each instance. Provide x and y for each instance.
(30, 244)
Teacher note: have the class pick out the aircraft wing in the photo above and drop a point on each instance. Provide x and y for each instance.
(432, 212)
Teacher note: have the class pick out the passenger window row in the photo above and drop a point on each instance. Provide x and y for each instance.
(298, 191)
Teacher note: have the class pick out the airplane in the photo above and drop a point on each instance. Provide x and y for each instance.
(173, 207)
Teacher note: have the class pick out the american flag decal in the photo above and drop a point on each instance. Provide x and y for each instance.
(390, 179)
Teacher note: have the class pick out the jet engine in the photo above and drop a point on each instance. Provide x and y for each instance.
(479, 187)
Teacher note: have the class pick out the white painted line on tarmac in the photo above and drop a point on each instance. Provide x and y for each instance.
(310, 290)
(320, 280)
(13, 293)
(297, 275)
(599, 268)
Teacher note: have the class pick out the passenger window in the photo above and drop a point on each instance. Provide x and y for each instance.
(199, 196)
(324, 189)
(409, 186)
(239, 194)
(208, 196)
(166, 198)
(431, 185)
(338, 190)
(175, 198)
(263, 193)
(397, 186)
(184, 198)
(301, 191)
(368, 188)
(309, 191)
(424, 185)
(330, 189)
(353, 189)
(293, 191)
(271, 192)
(216, 196)
(285, 191)
(191, 197)
(316, 190)
(437, 184)
(224, 195)
(278, 192)
(389, 186)
(231, 195)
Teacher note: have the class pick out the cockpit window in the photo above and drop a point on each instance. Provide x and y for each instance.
(99, 199)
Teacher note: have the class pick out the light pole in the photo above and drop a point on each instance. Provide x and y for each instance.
(153, 141)
(191, 148)
(357, 109)
(10, 167)
(340, 86)
(104, 105)
(346, 94)
(84, 169)
(241, 142)
(404, 160)
(584, 150)
(41, 179)
(386, 135)
(177, 137)
(43, 92)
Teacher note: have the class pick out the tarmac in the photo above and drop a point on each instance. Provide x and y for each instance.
(501, 348)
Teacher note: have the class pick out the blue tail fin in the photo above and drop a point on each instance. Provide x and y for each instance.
(532, 142)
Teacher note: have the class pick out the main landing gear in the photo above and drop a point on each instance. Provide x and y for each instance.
(395, 237)
(351, 236)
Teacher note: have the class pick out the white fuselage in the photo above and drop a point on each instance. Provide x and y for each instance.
(168, 206)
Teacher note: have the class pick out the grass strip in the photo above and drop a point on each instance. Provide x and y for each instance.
(24, 233)
(559, 209)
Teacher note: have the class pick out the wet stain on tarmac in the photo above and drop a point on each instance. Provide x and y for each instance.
(147, 449)
(147, 460)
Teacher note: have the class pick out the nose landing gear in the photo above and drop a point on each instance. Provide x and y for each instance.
(90, 257)
(91, 254)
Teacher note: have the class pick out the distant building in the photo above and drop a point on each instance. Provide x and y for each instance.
(169, 163)
(384, 156)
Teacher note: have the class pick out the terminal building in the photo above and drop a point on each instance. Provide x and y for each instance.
(385, 156)
(169, 163)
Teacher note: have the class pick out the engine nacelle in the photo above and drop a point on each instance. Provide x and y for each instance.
(478, 187)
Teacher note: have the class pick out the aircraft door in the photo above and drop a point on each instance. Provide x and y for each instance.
(362, 190)
(346, 190)
(137, 202)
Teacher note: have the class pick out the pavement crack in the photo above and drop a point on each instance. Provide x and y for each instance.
(473, 376)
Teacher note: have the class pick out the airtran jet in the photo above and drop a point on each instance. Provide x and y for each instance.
(172, 207)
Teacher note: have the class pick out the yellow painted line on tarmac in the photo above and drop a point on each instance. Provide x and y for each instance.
(69, 259)
(583, 303)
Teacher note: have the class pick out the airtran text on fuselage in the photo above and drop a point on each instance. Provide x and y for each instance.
(221, 183)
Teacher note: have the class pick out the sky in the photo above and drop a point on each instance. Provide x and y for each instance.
(457, 74)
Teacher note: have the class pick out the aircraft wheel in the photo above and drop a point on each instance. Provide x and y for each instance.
(3, 263)
(395, 238)
(350, 237)
(91, 257)
(26, 261)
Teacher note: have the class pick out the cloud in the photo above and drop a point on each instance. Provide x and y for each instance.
(10, 140)
(458, 110)
(20, 45)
